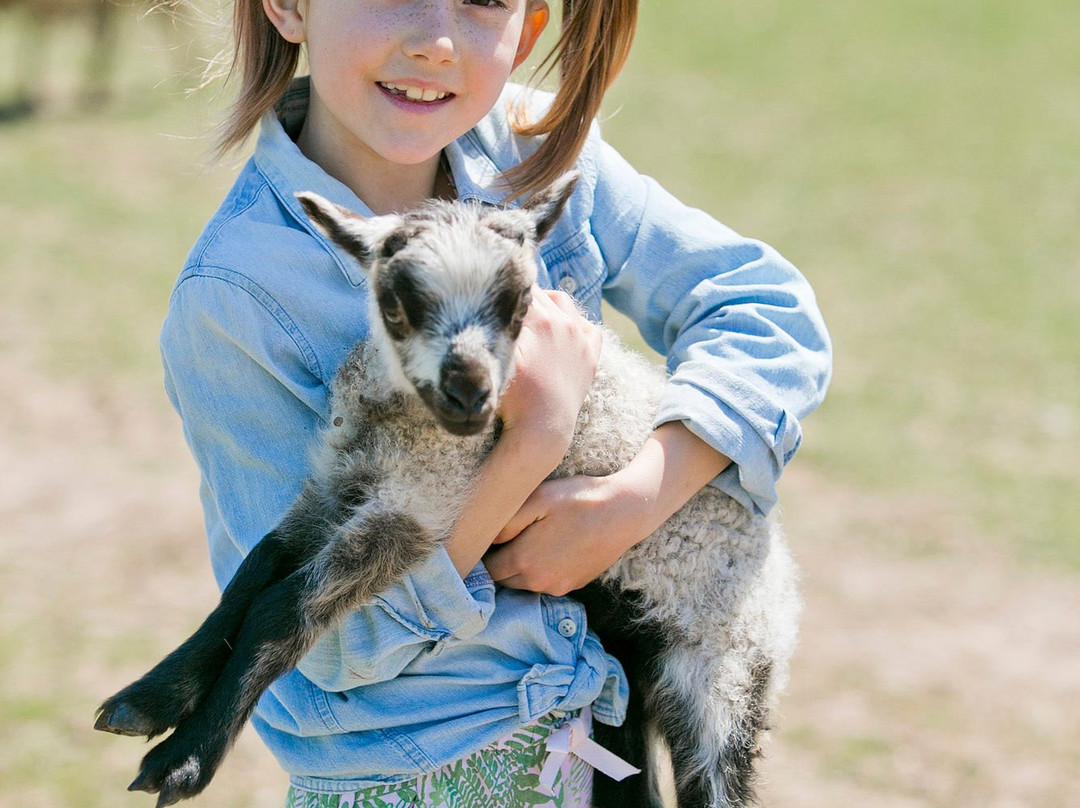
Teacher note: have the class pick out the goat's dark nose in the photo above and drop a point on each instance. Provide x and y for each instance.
(464, 396)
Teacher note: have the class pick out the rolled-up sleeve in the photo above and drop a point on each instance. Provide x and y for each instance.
(746, 347)
(252, 398)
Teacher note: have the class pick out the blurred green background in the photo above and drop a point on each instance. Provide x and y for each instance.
(920, 162)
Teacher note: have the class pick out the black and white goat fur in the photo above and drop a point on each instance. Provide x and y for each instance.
(702, 614)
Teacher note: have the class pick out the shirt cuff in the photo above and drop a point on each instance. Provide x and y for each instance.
(759, 443)
(435, 603)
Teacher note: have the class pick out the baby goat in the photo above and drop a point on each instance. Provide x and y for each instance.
(702, 614)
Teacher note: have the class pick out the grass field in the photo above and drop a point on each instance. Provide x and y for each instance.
(920, 162)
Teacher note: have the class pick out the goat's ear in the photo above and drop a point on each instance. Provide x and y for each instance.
(509, 224)
(545, 207)
(356, 234)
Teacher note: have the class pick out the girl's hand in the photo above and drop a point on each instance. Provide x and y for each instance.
(567, 533)
(557, 354)
(570, 530)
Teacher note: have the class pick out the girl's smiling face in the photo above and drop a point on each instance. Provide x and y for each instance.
(395, 81)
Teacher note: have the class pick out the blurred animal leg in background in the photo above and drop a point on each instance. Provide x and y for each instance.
(29, 61)
(99, 66)
(37, 25)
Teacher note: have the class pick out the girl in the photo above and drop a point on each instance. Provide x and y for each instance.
(444, 690)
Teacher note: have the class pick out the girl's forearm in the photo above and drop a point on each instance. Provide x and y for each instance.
(516, 466)
(672, 466)
(572, 529)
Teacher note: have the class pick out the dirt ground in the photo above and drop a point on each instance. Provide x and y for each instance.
(932, 671)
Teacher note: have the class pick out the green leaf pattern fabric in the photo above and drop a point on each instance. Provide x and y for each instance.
(503, 775)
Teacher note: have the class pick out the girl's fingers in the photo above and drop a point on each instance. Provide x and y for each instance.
(557, 354)
(500, 564)
(513, 582)
(547, 301)
(568, 306)
(528, 514)
(563, 301)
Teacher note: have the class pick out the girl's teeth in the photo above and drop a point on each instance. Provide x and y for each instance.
(415, 93)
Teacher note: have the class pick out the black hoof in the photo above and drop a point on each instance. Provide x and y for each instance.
(122, 718)
(173, 786)
(144, 782)
(174, 772)
(150, 706)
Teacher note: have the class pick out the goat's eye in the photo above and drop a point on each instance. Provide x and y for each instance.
(393, 315)
(522, 309)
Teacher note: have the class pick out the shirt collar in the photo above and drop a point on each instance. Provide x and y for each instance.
(287, 170)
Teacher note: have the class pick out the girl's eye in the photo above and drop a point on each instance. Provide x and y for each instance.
(486, 3)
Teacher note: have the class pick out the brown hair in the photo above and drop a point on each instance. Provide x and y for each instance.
(592, 49)
(267, 63)
(590, 52)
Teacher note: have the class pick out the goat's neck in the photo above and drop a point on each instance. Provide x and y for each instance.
(385, 373)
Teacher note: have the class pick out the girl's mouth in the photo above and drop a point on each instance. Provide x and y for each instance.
(416, 94)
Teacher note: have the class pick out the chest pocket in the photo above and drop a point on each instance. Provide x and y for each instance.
(575, 266)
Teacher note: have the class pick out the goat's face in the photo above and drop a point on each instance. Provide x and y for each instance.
(449, 286)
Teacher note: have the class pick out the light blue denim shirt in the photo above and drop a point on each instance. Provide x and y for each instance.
(264, 311)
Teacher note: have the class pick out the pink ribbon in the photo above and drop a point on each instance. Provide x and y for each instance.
(573, 738)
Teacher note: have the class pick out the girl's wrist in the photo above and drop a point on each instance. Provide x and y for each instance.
(520, 461)
(635, 493)
(542, 442)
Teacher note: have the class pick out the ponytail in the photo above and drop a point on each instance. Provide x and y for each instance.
(267, 65)
(592, 49)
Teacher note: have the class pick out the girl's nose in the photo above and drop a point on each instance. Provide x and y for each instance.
(432, 32)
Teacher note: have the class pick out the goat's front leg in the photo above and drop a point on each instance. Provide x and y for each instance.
(174, 687)
(367, 556)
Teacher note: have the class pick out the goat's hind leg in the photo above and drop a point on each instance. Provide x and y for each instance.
(174, 687)
(712, 729)
(628, 742)
(364, 559)
(616, 617)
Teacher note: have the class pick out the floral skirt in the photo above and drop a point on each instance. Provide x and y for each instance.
(503, 775)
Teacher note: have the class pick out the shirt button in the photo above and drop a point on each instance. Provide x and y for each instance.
(567, 627)
(568, 284)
